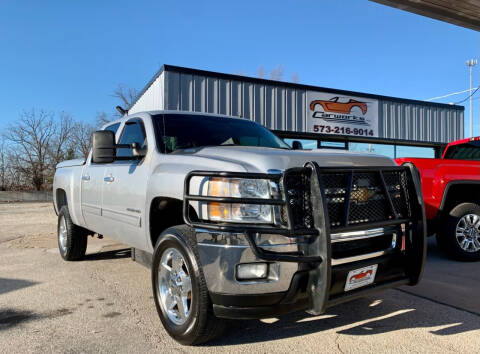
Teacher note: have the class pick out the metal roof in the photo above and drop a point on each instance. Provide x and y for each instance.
(283, 106)
(185, 70)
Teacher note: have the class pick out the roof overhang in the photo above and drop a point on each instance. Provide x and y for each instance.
(464, 13)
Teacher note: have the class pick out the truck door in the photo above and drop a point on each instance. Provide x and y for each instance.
(91, 187)
(124, 188)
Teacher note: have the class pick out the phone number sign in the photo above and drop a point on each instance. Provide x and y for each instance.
(341, 115)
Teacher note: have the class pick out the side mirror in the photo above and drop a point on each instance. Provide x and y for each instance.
(103, 150)
(297, 145)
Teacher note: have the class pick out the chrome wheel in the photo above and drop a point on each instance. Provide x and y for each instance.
(468, 233)
(174, 286)
(62, 233)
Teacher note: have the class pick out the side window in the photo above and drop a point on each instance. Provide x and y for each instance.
(133, 132)
(113, 128)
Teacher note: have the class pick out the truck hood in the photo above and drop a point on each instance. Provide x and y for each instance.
(261, 159)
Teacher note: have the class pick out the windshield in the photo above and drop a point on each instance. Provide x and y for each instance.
(182, 131)
(468, 151)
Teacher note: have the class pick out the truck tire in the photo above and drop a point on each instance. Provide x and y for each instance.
(180, 290)
(72, 239)
(460, 236)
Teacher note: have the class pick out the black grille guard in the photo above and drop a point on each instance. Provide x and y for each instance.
(317, 252)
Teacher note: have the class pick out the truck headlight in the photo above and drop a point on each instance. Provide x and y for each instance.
(239, 212)
(239, 188)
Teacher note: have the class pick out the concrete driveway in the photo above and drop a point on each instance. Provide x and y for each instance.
(104, 304)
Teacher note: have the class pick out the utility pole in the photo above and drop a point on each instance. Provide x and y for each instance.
(471, 63)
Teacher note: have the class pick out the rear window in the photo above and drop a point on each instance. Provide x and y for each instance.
(468, 151)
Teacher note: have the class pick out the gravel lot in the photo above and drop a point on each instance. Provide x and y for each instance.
(104, 304)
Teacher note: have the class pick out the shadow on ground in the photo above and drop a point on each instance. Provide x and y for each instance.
(7, 285)
(366, 316)
(115, 254)
(388, 311)
(449, 282)
(11, 317)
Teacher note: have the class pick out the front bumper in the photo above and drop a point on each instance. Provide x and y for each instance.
(310, 273)
(285, 288)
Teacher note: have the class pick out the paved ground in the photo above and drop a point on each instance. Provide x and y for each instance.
(104, 304)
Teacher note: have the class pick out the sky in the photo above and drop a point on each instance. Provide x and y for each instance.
(70, 56)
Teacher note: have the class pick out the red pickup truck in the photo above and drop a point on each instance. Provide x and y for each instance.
(451, 191)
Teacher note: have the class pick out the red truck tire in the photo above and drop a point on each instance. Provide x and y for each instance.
(460, 236)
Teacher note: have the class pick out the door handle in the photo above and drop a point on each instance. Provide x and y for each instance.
(109, 178)
(85, 178)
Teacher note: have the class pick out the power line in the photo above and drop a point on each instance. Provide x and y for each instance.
(448, 95)
(466, 98)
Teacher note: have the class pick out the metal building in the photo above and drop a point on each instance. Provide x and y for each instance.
(302, 111)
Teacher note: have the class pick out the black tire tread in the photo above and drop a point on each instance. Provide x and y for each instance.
(77, 238)
(209, 326)
(446, 239)
(212, 326)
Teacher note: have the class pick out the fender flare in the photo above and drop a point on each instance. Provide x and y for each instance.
(447, 189)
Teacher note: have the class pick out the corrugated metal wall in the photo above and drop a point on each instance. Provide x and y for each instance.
(284, 108)
(419, 122)
(275, 107)
(152, 98)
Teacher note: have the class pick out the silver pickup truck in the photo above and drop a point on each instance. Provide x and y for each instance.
(235, 224)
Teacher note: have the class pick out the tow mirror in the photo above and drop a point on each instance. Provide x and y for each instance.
(103, 146)
(297, 145)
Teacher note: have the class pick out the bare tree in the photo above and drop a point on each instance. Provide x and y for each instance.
(3, 165)
(9, 177)
(30, 138)
(126, 95)
(295, 77)
(32, 146)
(277, 73)
(82, 138)
(37, 142)
(101, 119)
(14, 179)
(61, 146)
(261, 72)
(17, 178)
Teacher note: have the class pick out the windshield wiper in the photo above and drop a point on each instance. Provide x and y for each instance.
(220, 145)
(268, 147)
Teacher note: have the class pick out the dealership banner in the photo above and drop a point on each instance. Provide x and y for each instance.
(329, 113)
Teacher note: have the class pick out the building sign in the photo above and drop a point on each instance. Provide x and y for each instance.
(329, 113)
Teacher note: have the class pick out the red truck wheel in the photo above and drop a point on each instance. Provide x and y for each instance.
(460, 238)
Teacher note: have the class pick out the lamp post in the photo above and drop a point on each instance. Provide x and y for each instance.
(471, 63)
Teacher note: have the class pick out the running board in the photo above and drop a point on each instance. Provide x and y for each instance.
(142, 257)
